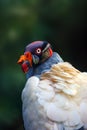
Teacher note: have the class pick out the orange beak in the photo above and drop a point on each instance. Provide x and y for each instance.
(25, 61)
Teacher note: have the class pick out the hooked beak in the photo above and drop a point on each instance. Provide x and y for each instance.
(25, 61)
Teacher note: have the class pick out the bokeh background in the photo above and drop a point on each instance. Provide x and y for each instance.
(61, 22)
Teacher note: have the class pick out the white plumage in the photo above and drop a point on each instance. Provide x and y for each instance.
(57, 100)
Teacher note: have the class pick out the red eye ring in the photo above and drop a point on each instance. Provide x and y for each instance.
(38, 51)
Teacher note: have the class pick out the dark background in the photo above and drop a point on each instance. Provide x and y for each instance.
(60, 22)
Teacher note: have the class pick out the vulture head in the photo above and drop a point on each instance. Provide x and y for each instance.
(35, 53)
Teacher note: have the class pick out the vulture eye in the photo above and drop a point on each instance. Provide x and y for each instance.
(38, 51)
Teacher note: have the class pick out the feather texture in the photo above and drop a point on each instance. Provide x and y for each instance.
(56, 101)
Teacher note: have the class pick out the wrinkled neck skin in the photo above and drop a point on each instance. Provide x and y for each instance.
(45, 66)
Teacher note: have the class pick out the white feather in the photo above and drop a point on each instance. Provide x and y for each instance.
(57, 101)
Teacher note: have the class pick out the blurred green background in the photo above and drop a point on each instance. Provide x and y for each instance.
(61, 22)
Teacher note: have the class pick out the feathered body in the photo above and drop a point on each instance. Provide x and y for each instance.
(55, 98)
(56, 101)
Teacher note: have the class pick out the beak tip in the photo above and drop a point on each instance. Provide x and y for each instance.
(19, 62)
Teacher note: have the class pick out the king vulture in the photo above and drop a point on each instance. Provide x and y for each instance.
(55, 94)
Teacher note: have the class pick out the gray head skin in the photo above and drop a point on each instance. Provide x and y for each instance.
(45, 66)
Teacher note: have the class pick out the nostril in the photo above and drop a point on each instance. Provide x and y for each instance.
(28, 57)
